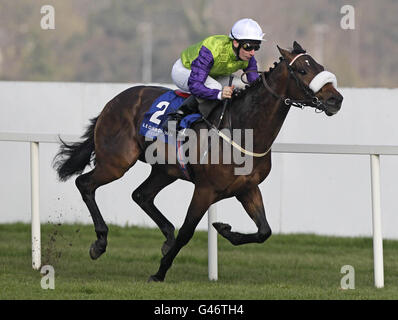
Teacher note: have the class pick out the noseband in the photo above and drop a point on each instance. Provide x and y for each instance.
(310, 101)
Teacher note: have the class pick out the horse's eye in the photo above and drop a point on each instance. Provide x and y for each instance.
(302, 71)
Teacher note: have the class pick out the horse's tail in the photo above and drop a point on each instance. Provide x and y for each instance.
(73, 158)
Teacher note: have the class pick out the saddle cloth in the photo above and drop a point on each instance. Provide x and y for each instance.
(168, 102)
(152, 123)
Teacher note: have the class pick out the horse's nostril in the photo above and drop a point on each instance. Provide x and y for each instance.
(331, 101)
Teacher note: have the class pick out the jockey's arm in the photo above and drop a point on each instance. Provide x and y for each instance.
(251, 70)
(200, 69)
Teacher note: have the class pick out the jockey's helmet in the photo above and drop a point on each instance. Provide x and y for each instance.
(246, 29)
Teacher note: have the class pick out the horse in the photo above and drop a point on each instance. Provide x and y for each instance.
(112, 145)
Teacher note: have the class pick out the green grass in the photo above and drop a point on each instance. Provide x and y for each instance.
(284, 267)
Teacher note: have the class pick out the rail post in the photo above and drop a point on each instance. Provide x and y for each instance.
(376, 219)
(34, 174)
(212, 244)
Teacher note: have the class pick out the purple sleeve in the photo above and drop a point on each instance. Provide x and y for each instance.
(200, 69)
(251, 76)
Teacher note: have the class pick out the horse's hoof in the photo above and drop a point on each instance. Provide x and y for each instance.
(95, 252)
(154, 278)
(222, 228)
(167, 246)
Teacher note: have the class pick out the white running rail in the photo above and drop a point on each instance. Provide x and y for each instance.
(373, 151)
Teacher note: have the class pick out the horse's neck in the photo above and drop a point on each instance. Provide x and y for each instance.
(266, 114)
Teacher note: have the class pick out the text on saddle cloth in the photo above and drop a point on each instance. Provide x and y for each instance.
(168, 102)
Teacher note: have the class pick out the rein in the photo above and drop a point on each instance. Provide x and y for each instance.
(233, 143)
(311, 101)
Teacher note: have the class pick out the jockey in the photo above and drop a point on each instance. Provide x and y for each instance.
(204, 67)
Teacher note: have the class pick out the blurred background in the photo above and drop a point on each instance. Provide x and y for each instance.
(138, 41)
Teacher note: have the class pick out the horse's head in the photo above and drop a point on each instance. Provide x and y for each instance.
(309, 82)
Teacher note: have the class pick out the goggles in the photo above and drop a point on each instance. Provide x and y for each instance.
(247, 46)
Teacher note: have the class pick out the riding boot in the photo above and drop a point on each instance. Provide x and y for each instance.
(206, 107)
(189, 106)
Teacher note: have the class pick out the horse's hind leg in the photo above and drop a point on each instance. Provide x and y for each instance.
(144, 196)
(87, 184)
(253, 203)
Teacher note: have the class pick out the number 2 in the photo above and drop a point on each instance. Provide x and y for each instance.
(157, 114)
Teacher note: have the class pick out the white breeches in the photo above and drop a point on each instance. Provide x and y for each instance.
(180, 76)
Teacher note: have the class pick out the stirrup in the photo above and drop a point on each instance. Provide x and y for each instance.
(173, 117)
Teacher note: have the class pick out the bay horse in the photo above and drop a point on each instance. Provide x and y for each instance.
(113, 144)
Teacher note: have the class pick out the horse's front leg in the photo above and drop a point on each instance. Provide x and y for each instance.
(252, 201)
(201, 201)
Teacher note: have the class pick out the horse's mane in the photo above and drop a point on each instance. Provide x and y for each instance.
(242, 92)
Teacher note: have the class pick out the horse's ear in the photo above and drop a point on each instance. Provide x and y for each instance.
(285, 54)
(297, 48)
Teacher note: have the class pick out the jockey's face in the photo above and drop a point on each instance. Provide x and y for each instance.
(243, 54)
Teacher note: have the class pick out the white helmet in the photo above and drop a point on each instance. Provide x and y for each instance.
(247, 29)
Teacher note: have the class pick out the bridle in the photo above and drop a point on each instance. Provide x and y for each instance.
(310, 101)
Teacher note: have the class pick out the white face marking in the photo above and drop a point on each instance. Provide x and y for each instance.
(307, 62)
